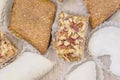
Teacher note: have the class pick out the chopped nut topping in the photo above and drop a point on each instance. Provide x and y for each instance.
(70, 36)
(7, 50)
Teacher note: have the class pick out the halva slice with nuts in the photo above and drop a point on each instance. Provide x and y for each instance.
(69, 39)
(7, 49)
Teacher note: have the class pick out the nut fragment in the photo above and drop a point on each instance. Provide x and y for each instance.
(70, 36)
(66, 43)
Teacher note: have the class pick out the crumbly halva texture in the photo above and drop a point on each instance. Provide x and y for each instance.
(60, 1)
(32, 20)
(70, 36)
(7, 49)
(100, 10)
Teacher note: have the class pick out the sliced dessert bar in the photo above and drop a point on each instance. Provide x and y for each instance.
(70, 36)
(7, 49)
(32, 20)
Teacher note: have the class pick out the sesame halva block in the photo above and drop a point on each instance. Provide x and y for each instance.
(32, 20)
(100, 10)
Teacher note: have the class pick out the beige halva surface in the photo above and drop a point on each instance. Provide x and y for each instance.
(61, 66)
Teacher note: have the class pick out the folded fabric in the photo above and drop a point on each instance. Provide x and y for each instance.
(86, 71)
(106, 41)
(2, 5)
(28, 66)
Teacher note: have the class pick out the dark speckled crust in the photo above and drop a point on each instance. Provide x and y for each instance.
(100, 10)
(32, 20)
